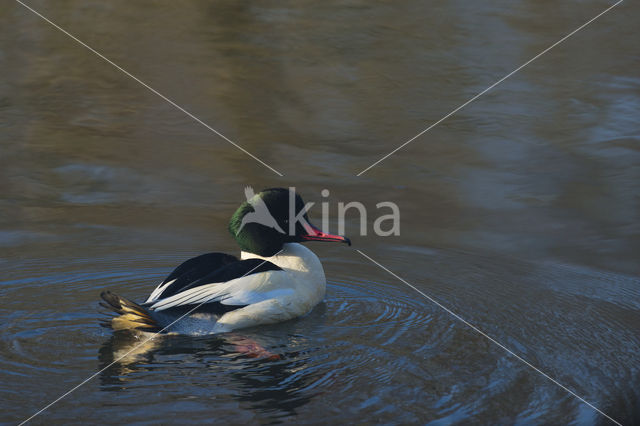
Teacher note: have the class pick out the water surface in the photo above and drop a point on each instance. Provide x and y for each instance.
(520, 213)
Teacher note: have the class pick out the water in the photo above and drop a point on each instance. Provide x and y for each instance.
(519, 213)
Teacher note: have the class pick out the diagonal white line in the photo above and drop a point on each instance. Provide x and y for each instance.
(491, 339)
(149, 87)
(491, 87)
(150, 338)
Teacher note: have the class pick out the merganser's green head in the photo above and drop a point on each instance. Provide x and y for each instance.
(271, 218)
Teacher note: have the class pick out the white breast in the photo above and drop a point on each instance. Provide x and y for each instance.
(296, 291)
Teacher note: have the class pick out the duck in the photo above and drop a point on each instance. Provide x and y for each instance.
(275, 279)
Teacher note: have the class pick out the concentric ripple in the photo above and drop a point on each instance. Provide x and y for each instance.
(383, 313)
(376, 348)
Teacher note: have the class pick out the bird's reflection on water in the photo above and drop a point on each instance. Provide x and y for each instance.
(265, 379)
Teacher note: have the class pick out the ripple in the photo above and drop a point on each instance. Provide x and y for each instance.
(371, 345)
(371, 304)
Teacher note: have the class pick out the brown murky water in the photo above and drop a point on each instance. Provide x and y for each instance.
(520, 212)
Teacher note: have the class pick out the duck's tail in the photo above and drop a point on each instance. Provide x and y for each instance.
(131, 315)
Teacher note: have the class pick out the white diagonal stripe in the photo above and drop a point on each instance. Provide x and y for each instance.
(491, 87)
(149, 87)
(153, 336)
(491, 339)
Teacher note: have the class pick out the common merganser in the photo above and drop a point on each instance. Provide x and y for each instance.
(275, 279)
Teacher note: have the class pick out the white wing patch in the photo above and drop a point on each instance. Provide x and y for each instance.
(158, 291)
(245, 290)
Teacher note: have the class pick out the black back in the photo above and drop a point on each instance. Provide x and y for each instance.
(194, 269)
(212, 268)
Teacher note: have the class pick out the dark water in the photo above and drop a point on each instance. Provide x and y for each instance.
(520, 213)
